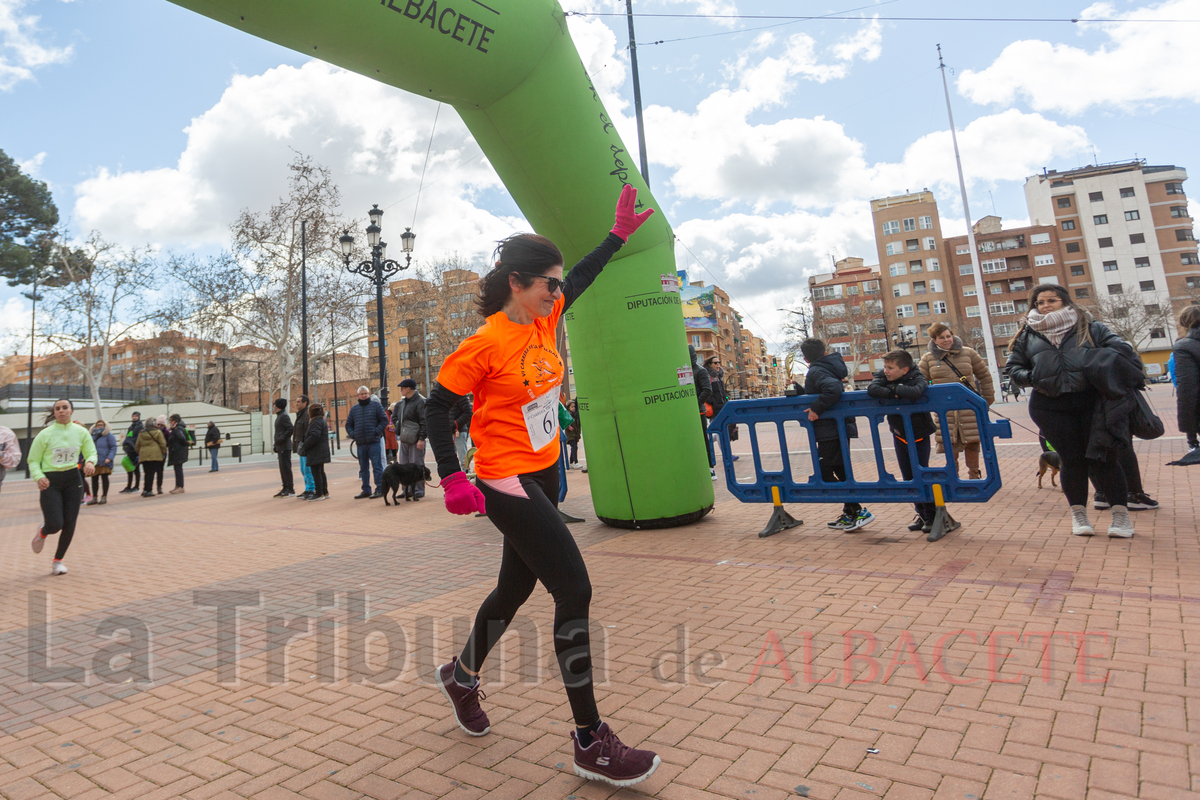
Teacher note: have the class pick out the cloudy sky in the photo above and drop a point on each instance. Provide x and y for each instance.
(766, 137)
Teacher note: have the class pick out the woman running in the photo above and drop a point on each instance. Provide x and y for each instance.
(514, 369)
(54, 464)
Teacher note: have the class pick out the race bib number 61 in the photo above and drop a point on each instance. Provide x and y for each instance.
(541, 419)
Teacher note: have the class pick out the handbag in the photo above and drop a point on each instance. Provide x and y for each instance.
(410, 432)
(1143, 422)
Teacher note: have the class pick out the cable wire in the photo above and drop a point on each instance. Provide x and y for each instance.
(426, 164)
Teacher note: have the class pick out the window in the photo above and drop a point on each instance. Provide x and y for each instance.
(913, 245)
(837, 329)
(914, 266)
(1158, 333)
(995, 288)
(1179, 211)
(1082, 293)
(827, 293)
(852, 289)
(1115, 288)
(935, 286)
(994, 265)
(1184, 235)
(1141, 261)
(1174, 188)
(841, 349)
(1110, 266)
(890, 228)
(910, 224)
(966, 269)
(1146, 286)
(1128, 192)
(1022, 306)
(970, 290)
(926, 223)
(879, 346)
(900, 290)
(1072, 247)
(1004, 328)
(939, 306)
(1095, 197)
(923, 309)
(904, 311)
(1005, 307)
(1137, 238)
(1043, 261)
(1017, 286)
(696, 340)
(930, 243)
(898, 269)
(1100, 219)
(1105, 241)
(894, 248)
(1064, 202)
(986, 247)
(962, 249)
(872, 306)
(1068, 225)
(870, 287)
(1192, 283)
(972, 311)
(1132, 215)
(933, 265)
(1039, 238)
(1190, 258)
(919, 287)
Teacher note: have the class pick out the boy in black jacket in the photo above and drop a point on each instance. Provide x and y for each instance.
(824, 378)
(900, 380)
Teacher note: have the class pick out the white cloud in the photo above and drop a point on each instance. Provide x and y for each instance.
(867, 43)
(237, 152)
(32, 166)
(20, 52)
(1142, 63)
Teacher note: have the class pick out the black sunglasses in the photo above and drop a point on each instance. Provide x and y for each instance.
(553, 284)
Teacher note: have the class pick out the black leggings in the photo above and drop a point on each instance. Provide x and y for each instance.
(134, 478)
(833, 468)
(60, 507)
(1127, 459)
(178, 475)
(151, 469)
(320, 484)
(99, 481)
(538, 547)
(1066, 422)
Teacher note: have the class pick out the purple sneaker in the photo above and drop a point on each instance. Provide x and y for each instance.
(467, 713)
(607, 760)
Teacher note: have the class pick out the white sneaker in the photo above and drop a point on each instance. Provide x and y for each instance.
(39, 541)
(1080, 524)
(1121, 526)
(713, 473)
(59, 568)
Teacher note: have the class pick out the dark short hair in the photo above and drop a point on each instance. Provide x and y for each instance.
(901, 357)
(281, 403)
(526, 253)
(137, 414)
(303, 397)
(316, 411)
(812, 349)
(176, 418)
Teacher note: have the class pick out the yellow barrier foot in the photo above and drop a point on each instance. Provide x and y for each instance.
(943, 523)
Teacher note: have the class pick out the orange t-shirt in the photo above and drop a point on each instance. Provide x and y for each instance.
(515, 372)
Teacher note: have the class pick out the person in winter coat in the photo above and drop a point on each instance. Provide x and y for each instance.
(901, 380)
(1052, 353)
(824, 379)
(409, 414)
(461, 413)
(177, 449)
(151, 453)
(129, 446)
(315, 449)
(365, 424)
(283, 447)
(704, 397)
(950, 361)
(720, 394)
(10, 451)
(1187, 376)
(212, 441)
(574, 432)
(299, 429)
(106, 453)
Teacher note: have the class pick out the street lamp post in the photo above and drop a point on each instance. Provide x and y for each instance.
(379, 270)
(32, 342)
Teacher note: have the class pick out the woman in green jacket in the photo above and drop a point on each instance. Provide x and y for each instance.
(54, 464)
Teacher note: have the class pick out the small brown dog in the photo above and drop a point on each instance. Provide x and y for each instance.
(1051, 462)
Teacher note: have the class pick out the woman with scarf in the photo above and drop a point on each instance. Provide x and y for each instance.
(950, 361)
(1052, 353)
(106, 451)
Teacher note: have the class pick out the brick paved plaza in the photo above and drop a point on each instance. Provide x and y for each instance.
(1010, 660)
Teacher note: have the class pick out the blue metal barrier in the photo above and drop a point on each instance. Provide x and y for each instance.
(889, 488)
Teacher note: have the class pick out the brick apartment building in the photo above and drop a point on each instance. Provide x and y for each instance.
(848, 314)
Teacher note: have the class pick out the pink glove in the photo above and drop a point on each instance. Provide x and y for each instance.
(627, 221)
(461, 495)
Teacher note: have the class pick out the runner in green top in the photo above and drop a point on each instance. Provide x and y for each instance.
(54, 462)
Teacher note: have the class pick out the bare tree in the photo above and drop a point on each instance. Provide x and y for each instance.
(1133, 315)
(970, 331)
(854, 327)
(95, 304)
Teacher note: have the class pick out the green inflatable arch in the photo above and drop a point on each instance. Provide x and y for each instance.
(511, 71)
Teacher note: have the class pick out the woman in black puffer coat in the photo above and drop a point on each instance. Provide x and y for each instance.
(315, 449)
(1187, 375)
(1053, 354)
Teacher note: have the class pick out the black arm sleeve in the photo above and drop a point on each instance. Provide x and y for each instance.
(914, 390)
(582, 274)
(879, 388)
(441, 429)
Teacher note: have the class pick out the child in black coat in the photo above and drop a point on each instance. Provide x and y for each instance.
(900, 380)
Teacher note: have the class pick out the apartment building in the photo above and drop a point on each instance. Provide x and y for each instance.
(1125, 228)
(1012, 261)
(848, 314)
(910, 248)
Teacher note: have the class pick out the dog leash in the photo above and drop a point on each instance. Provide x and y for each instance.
(1013, 421)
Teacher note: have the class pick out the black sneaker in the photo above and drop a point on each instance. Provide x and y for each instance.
(304, 495)
(376, 495)
(841, 523)
(362, 495)
(917, 524)
(281, 493)
(1141, 502)
(1100, 502)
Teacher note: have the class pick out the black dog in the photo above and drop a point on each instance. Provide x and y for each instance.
(406, 475)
